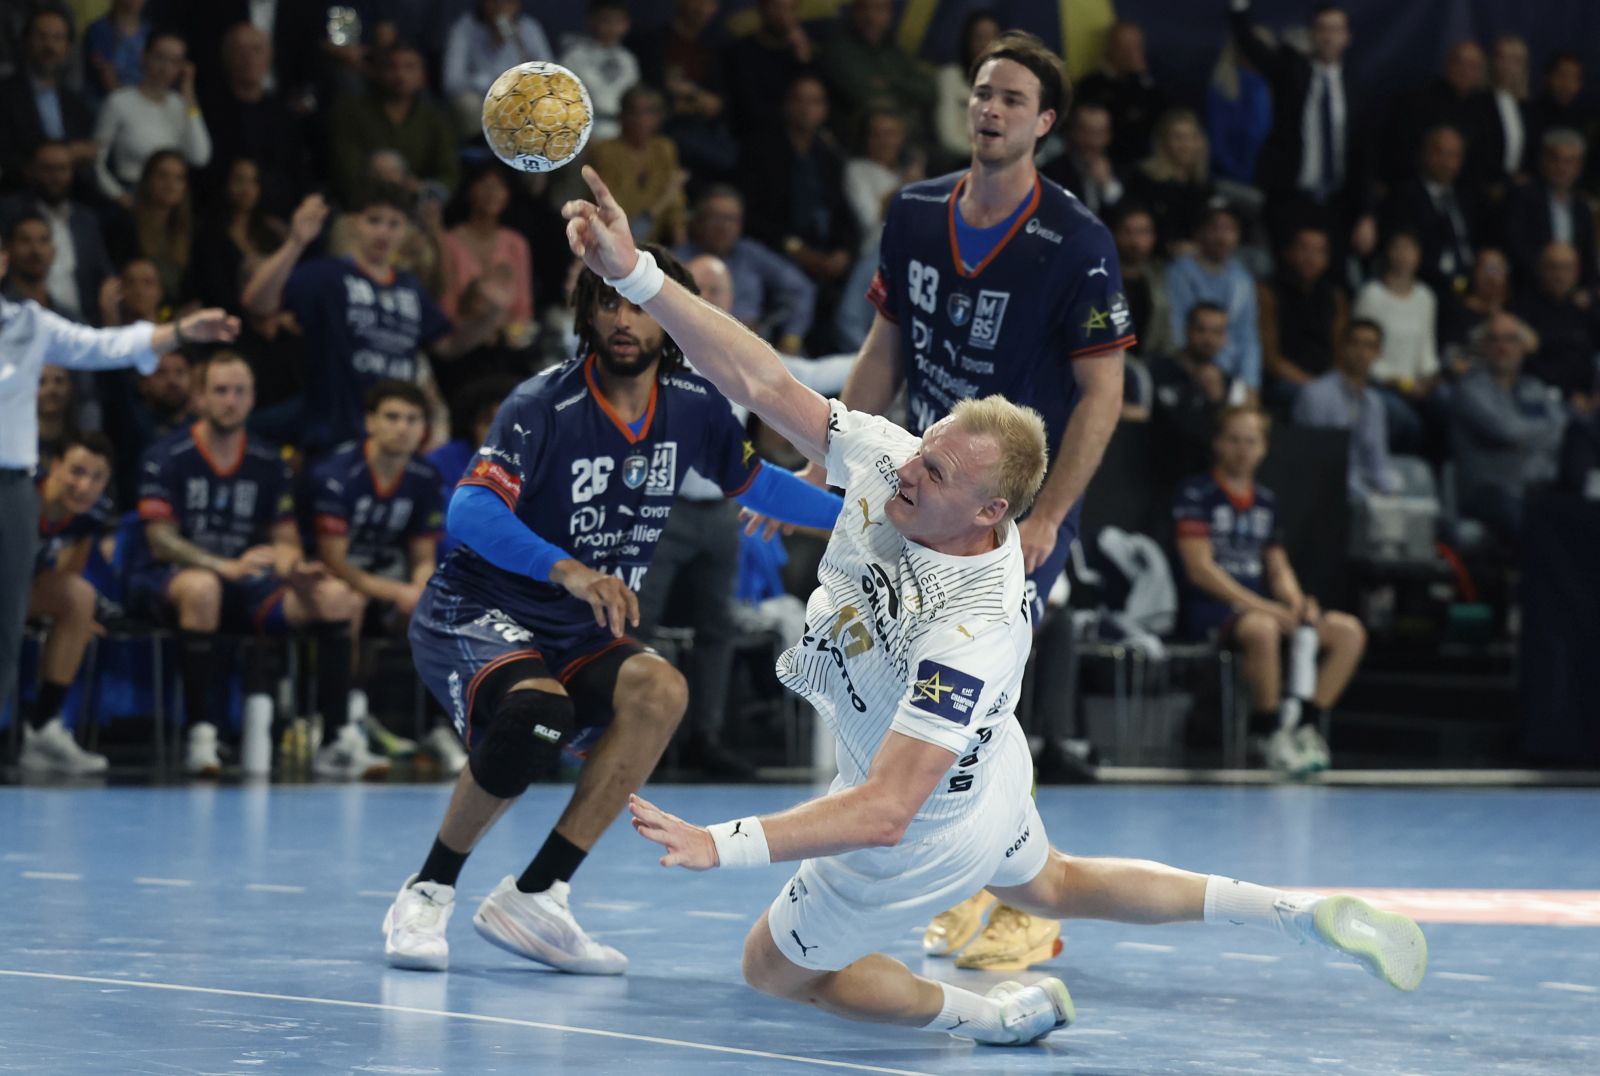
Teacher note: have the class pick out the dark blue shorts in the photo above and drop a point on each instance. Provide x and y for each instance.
(1042, 578)
(469, 654)
(248, 606)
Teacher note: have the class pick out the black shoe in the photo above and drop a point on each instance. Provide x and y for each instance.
(715, 762)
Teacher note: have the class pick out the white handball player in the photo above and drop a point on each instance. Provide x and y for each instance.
(915, 642)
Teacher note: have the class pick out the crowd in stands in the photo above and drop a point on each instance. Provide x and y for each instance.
(1427, 280)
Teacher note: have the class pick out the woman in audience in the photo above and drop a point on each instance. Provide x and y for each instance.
(238, 231)
(954, 87)
(483, 42)
(160, 226)
(1175, 180)
(641, 167)
(138, 120)
(1407, 370)
(871, 179)
(480, 244)
(1488, 294)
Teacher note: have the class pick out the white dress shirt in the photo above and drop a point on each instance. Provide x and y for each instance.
(1511, 126)
(30, 337)
(1323, 78)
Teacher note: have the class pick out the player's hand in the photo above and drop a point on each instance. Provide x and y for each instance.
(307, 573)
(1038, 542)
(1310, 611)
(755, 521)
(598, 231)
(615, 606)
(406, 596)
(687, 846)
(1288, 619)
(211, 326)
(309, 215)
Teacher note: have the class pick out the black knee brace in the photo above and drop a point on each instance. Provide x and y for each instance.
(523, 741)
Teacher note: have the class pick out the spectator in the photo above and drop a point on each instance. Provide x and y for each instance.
(1238, 116)
(1566, 323)
(1489, 293)
(1239, 587)
(1124, 87)
(1580, 456)
(1344, 399)
(762, 65)
(1405, 308)
(249, 119)
(641, 168)
(54, 409)
(770, 293)
(1559, 105)
(298, 33)
(1508, 84)
(237, 234)
(31, 250)
(81, 264)
(1144, 279)
(147, 408)
(953, 83)
(113, 48)
(419, 248)
(1551, 208)
(1441, 212)
(604, 64)
(482, 244)
(363, 320)
(222, 552)
(1175, 180)
(864, 67)
(871, 179)
(684, 58)
(36, 105)
(793, 180)
(1190, 390)
(1459, 98)
(493, 37)
(1506, 429)
(1085, 168)
(1313, 166)
(1215, 273)
(136, 121)
(394, 114)
(161, 225)
(73, 511)
(1303, 315)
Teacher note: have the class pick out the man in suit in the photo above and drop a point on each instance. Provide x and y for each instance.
(81, 264)
(1550, 208)
(1313, 167)
(1442, 212)
(1460, 98)
(35, 105)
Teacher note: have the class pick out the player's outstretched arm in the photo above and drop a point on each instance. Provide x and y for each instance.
(738, 362)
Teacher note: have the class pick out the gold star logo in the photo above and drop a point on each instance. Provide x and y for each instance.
(866, 515)
(1097, 320)
(932, 688)
(749, 451)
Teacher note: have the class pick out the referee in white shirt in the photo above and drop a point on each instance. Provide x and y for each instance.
(30, 337)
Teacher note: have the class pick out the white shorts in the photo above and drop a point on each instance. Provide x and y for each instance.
(838, 909)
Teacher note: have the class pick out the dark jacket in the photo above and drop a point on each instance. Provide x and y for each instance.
(1528, 229)
(21, 129)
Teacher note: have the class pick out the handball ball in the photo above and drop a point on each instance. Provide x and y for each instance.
(537, 116)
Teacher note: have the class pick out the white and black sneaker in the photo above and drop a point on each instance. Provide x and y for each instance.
(445, 746)
(202, 759)
(349, 757)
(414, 927)
(51, 750)
(1032, 1012)
(540, 926)
(1389, 945)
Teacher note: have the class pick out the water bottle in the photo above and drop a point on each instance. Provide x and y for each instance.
(256, 753)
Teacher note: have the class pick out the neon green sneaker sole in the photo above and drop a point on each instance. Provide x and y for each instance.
(1387, 944)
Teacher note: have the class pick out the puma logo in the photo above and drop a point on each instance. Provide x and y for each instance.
(957, 1024)
(962, 628)
(1100, 270)
(736, 829)
(804, 948)
(866, 515)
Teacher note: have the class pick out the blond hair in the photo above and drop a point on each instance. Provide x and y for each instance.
(1019, 435)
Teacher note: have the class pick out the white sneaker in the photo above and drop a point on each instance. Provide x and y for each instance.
(540, 927)
(1032, 1012)
(414, 928)
(348, 758)
(1314, 755)
(1387, 944)
(51, 749)
(202, 760)
(446, 747)
(1282, 753)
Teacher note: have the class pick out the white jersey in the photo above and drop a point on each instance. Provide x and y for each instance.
(902, 637)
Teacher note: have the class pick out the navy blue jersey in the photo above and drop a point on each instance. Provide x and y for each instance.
(579, 478)
(222, 512)
(358, 331)
(1241, 530)
(379, 521)
(58, 537)
(1049, 292)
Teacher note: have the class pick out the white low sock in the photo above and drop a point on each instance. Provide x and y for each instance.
(1230, 902)
(971, 1015)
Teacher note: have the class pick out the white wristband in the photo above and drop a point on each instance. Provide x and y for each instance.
(643, 282)
(741, 843)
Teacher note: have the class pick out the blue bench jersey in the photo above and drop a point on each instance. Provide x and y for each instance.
(357, 331)
(379, 522)
(1048, 293)
(222, 512)
(1241, 530)
(55, 539)
(575, 475)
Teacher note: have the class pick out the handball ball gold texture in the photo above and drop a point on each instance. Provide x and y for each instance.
(537, 116)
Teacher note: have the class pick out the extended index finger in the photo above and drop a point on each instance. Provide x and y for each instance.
(602, 193)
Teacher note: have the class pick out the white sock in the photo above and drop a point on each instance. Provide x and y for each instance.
(1289, 712)
(1230, 902)
(970, 1015)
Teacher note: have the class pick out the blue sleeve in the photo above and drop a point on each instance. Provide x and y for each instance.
(480, 519)
(787, 497)
(1247, 332)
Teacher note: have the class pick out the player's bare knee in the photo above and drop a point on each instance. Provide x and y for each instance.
(763, 966)
(1345, 632)
(79, 601)
(1257, 633)
(334, 600)
(197, 594)
(651, 690)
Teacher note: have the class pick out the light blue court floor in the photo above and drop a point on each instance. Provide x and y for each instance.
(236, 930)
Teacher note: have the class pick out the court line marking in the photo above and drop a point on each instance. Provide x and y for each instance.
(52, 876)
(268, 887)
(384, 893)
(1254, 958)
(1464, 976)
(1576, 988)
(481, 1018)
(736, 917)
(1147, 947)
(175, 882)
